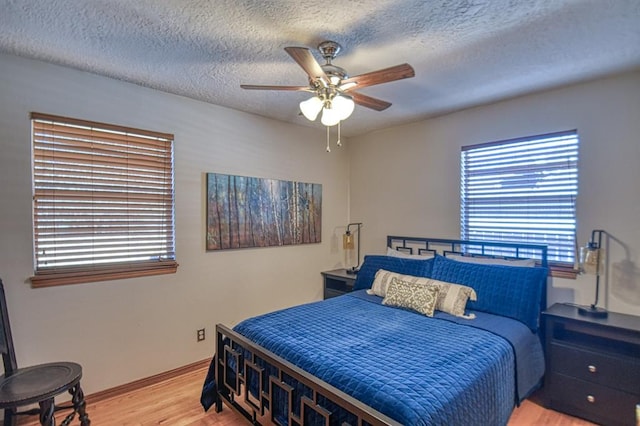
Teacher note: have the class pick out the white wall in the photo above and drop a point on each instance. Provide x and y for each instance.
(124, 330)
(405, 180)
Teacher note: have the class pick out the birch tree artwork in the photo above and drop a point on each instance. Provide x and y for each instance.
(254, 212)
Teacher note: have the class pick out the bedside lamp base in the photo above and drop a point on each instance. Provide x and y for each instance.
(593, 311)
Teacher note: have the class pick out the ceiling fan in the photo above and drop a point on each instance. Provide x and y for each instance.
(333, 89)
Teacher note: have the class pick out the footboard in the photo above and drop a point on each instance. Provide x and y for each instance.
(267, 389)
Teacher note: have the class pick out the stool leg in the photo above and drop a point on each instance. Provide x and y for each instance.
(46, 413)
(9, 417)
(79, 405)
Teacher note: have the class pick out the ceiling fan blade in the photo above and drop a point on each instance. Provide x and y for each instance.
(305, 59)
(369, 102)
(381, 76)
(290, 88)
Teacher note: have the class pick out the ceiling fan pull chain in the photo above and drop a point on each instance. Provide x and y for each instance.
(338, 142)
(328, 147)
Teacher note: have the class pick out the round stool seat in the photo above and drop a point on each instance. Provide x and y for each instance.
(40, 382)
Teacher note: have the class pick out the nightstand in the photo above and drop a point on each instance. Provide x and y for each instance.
(593, 365)
(337, 282)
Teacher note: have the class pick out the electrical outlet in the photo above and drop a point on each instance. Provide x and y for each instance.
(200, 334)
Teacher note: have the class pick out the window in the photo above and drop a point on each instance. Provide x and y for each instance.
(103, 201)
(522, 190)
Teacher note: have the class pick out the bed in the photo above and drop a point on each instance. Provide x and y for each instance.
(375, 356)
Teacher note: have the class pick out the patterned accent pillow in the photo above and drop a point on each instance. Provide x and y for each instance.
(417, 297)
(452, 298)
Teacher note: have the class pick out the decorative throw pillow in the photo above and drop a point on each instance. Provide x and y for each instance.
(417, 297)
(383, 278)
(452, 298)
(502, 290)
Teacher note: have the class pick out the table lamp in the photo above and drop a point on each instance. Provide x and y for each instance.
(592, 262)
(348, 244)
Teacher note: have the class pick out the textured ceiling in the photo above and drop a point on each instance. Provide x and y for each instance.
(465, 52)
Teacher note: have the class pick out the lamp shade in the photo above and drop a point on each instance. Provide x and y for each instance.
(591, 259)
(330, 116)
(344, 106)
(347, 241)
(311, 107)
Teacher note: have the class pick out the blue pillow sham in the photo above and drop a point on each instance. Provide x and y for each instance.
(510, 291)
(371, 264)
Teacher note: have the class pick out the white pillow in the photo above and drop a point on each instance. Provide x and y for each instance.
(528, 263)
(397, 253)
(452, 298)
(383, 278)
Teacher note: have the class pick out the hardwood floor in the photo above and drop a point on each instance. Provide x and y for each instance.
(176, 402)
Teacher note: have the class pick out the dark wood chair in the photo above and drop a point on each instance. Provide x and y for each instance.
(39, 384)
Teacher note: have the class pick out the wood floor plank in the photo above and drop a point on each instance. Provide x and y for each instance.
(176, 402)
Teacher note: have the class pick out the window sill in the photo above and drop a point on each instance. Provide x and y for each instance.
(563, 271)
(52, 279)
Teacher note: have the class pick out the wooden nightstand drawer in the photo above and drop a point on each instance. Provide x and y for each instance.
(592, 401)
(617, 372)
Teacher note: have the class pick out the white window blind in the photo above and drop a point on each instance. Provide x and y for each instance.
(522, 190)
(103, 199)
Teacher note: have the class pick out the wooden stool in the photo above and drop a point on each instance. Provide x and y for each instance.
(36, 384)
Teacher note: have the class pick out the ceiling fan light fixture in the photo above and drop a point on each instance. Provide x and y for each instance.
(344, 106)
(330, 116)
(311, 107)
(331, 86)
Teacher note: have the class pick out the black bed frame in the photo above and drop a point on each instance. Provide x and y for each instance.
(259, 385)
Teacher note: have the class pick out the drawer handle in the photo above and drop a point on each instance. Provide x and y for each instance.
(591, 398)
(592, 369)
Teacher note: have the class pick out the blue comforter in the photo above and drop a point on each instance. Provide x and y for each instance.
(416, 370)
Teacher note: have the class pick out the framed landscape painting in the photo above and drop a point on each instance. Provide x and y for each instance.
(247, 212)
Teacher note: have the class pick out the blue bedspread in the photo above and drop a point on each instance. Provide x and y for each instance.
(416, 370)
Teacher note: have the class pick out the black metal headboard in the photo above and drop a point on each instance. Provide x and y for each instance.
(490, 249)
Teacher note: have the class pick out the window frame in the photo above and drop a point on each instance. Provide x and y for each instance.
(48, 186)
(557, 268)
